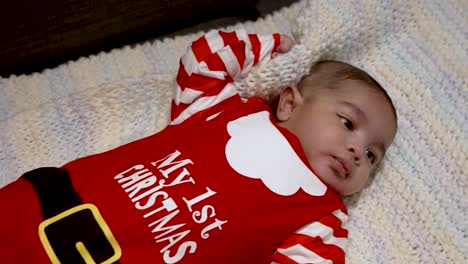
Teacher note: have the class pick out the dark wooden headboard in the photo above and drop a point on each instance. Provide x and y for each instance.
(41, 34)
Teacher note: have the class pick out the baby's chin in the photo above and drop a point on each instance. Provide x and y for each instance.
(323, 165)
(330, 177)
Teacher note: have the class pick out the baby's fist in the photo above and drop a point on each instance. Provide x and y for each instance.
(286, 43)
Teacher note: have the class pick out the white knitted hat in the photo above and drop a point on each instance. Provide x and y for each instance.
(353, 32)
(269, 78)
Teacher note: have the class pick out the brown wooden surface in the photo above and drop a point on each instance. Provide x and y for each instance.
(41, 34)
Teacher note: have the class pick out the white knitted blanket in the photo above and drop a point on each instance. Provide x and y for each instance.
(413, 211)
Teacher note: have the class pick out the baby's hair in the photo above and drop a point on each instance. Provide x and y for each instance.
(326, 74)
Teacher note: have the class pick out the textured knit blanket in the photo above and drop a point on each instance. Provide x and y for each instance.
(415, 210)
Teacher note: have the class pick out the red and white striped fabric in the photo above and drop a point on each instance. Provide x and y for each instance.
(206, 77)
(211, 64)
(323, 241)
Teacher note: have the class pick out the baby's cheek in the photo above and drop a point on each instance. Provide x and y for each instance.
(359, 180)
(322, 169)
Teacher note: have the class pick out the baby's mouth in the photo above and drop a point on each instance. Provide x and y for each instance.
(341, 167)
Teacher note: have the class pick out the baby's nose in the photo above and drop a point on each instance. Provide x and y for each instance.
(356, 152)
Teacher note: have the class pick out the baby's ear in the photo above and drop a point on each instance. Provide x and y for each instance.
(289, 99)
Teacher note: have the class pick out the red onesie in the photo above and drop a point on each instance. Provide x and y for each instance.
(221, 184)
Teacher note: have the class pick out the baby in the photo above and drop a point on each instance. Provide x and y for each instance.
(227, 181)
(344, 153)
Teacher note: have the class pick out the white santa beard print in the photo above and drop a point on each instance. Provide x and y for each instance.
(258, 150)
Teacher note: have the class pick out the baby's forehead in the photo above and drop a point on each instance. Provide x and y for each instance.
(367, 105)
(340, 90)
(332, 74)
(347, 88)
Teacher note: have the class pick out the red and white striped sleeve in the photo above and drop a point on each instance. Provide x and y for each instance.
(323, 241)
(211, 64)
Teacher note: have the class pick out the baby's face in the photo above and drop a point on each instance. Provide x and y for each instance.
(344, 131)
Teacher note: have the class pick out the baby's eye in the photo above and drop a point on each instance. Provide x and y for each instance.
(348, 124)
(371, 156)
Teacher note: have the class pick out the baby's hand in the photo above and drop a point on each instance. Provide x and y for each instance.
(286, 43)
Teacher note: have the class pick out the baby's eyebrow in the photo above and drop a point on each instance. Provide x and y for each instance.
(382, 149)
(355, 109)
(362, 115)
